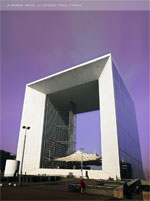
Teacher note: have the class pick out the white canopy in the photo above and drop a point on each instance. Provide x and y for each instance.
(78, 156)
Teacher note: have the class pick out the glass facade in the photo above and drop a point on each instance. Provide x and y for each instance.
(128, 138)
(56, 134)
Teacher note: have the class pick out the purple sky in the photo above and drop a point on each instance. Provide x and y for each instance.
(37, 44)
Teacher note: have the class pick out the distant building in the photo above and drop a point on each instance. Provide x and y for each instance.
(50, 106)
(4, 155)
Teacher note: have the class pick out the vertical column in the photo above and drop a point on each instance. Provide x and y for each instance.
(71, 129)
(33, 116)
(109, 136)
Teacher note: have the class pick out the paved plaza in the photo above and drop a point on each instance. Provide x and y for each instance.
(47, 191)
(57, 190)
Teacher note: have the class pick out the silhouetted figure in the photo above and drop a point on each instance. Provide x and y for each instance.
(109, 178)
(82, 184)
(86, 174)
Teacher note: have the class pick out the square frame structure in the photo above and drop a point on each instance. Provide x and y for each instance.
(93, 85)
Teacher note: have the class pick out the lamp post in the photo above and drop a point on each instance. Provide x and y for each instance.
(26, 128)
(81, 149)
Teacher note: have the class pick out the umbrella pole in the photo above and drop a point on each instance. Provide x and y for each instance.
(82, 165)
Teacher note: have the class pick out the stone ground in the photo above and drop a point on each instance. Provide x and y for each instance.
(57, 190)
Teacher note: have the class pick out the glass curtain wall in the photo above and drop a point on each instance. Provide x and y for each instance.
(128, 137)
(55, 134)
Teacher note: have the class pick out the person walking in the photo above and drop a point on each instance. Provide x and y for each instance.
(86, 174)
(82, 184)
